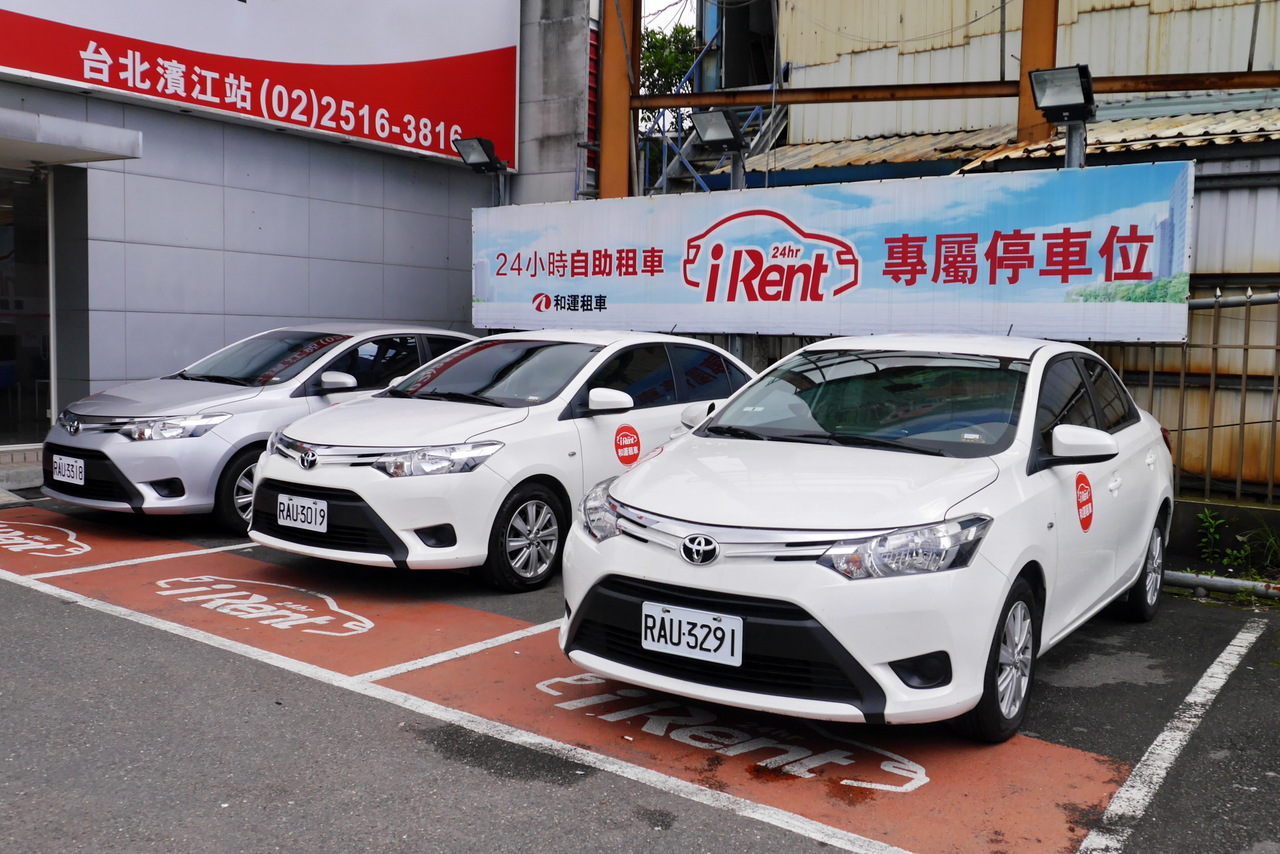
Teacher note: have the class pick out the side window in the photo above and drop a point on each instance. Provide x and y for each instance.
(376, 363)
(642, 372)
(1064, 399)
(701, 374)
(438, 344)
(1115, 406)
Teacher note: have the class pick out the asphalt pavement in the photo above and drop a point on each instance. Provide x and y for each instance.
(126, 731)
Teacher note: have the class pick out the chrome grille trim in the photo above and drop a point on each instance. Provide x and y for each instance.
(736, 542)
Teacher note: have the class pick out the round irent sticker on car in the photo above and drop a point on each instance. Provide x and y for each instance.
(626, 444)
(1084, 501)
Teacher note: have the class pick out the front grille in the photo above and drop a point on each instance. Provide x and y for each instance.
(353, 526)
(786, 652)
(102, 480)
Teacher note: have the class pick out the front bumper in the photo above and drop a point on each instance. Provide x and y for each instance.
(172, 476)
(815, 645)
(425, 522)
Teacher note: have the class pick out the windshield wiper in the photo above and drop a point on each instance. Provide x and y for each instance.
(865, 442)
(460, 397)
(736, 432)
(212, 378)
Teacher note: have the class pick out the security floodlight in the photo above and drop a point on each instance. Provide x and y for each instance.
(1064, 94)
(477, 152)
(719, 129)
(1065, 97)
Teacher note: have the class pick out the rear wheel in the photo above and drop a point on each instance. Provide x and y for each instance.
(233, 500)
(526, 541)
(1143, 598)
(1010, 670)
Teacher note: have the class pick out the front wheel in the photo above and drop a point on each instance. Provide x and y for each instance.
(526, 541)
(1011, 662)
(233, 501)
(1143, 599)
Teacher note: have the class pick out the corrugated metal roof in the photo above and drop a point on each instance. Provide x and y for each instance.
(997, 143)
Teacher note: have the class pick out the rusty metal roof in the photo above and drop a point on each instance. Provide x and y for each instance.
(997, 143)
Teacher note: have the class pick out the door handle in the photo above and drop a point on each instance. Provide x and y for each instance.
(1115, 484)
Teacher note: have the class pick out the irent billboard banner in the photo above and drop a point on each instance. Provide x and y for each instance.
(1074, 254)
(412, 74)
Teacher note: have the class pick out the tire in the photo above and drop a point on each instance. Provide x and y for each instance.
(232, 499)
(1143, 599)
(1010, 670)
(526, 542)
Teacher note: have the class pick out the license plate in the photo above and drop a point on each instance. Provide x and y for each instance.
(692, 634)
(310, 514)
(68, 470)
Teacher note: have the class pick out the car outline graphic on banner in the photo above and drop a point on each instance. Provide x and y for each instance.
(775, 268)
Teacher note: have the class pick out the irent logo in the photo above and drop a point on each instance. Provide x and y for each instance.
(762, 256)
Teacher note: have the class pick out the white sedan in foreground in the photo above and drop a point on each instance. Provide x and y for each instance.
(885, 529)
(477, 459)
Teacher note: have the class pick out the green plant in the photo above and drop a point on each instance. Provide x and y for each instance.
(1210, 522)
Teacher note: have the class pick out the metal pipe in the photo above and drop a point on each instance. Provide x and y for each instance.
(1192, 581)
(941, 91)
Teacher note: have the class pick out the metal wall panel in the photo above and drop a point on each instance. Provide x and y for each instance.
(835, 43)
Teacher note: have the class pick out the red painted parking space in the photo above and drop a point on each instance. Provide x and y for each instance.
(34, 541)
(340, 627)
(925, 793)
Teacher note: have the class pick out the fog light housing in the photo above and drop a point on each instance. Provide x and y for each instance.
(931, 670)
(438, 536)
(170, 487)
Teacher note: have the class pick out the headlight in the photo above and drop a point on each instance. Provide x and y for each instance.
(65, 419)
(273, 441)
(909, 551)
(600, 512)
(441, 459)
(173, 427)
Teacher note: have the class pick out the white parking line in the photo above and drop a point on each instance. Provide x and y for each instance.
(1133, 798)
(359, 684)
(459, 652)
(136, 560)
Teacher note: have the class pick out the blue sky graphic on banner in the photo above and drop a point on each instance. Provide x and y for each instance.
(1075, 254)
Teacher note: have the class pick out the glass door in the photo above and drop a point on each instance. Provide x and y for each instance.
(24, 309)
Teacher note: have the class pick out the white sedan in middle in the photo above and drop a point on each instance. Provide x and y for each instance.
(476, 459)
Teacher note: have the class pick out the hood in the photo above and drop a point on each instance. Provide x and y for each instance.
(162, 397)
(740, 483)
(397, 422)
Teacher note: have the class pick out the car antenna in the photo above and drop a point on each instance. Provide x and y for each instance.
(1010, 332)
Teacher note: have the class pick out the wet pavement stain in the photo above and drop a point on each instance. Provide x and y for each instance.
(499, 758)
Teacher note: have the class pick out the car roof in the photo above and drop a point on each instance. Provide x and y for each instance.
(981, 345)
(362, 327)
(599, 337)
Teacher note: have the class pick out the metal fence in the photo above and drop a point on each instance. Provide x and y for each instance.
(1217, 394)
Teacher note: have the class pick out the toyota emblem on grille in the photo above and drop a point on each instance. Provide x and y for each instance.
(308, 459)
(73, 426)
(699, 549)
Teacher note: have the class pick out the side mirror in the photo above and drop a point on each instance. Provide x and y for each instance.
(695, 413)
(335, 380)
(1074, 445)
(609, 400)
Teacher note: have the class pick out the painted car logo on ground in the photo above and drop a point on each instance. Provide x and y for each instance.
(48, 541)
(238, 597)
(761, 255)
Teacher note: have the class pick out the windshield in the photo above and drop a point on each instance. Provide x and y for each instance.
(934, 403)
(265, 359)
(503, 373)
